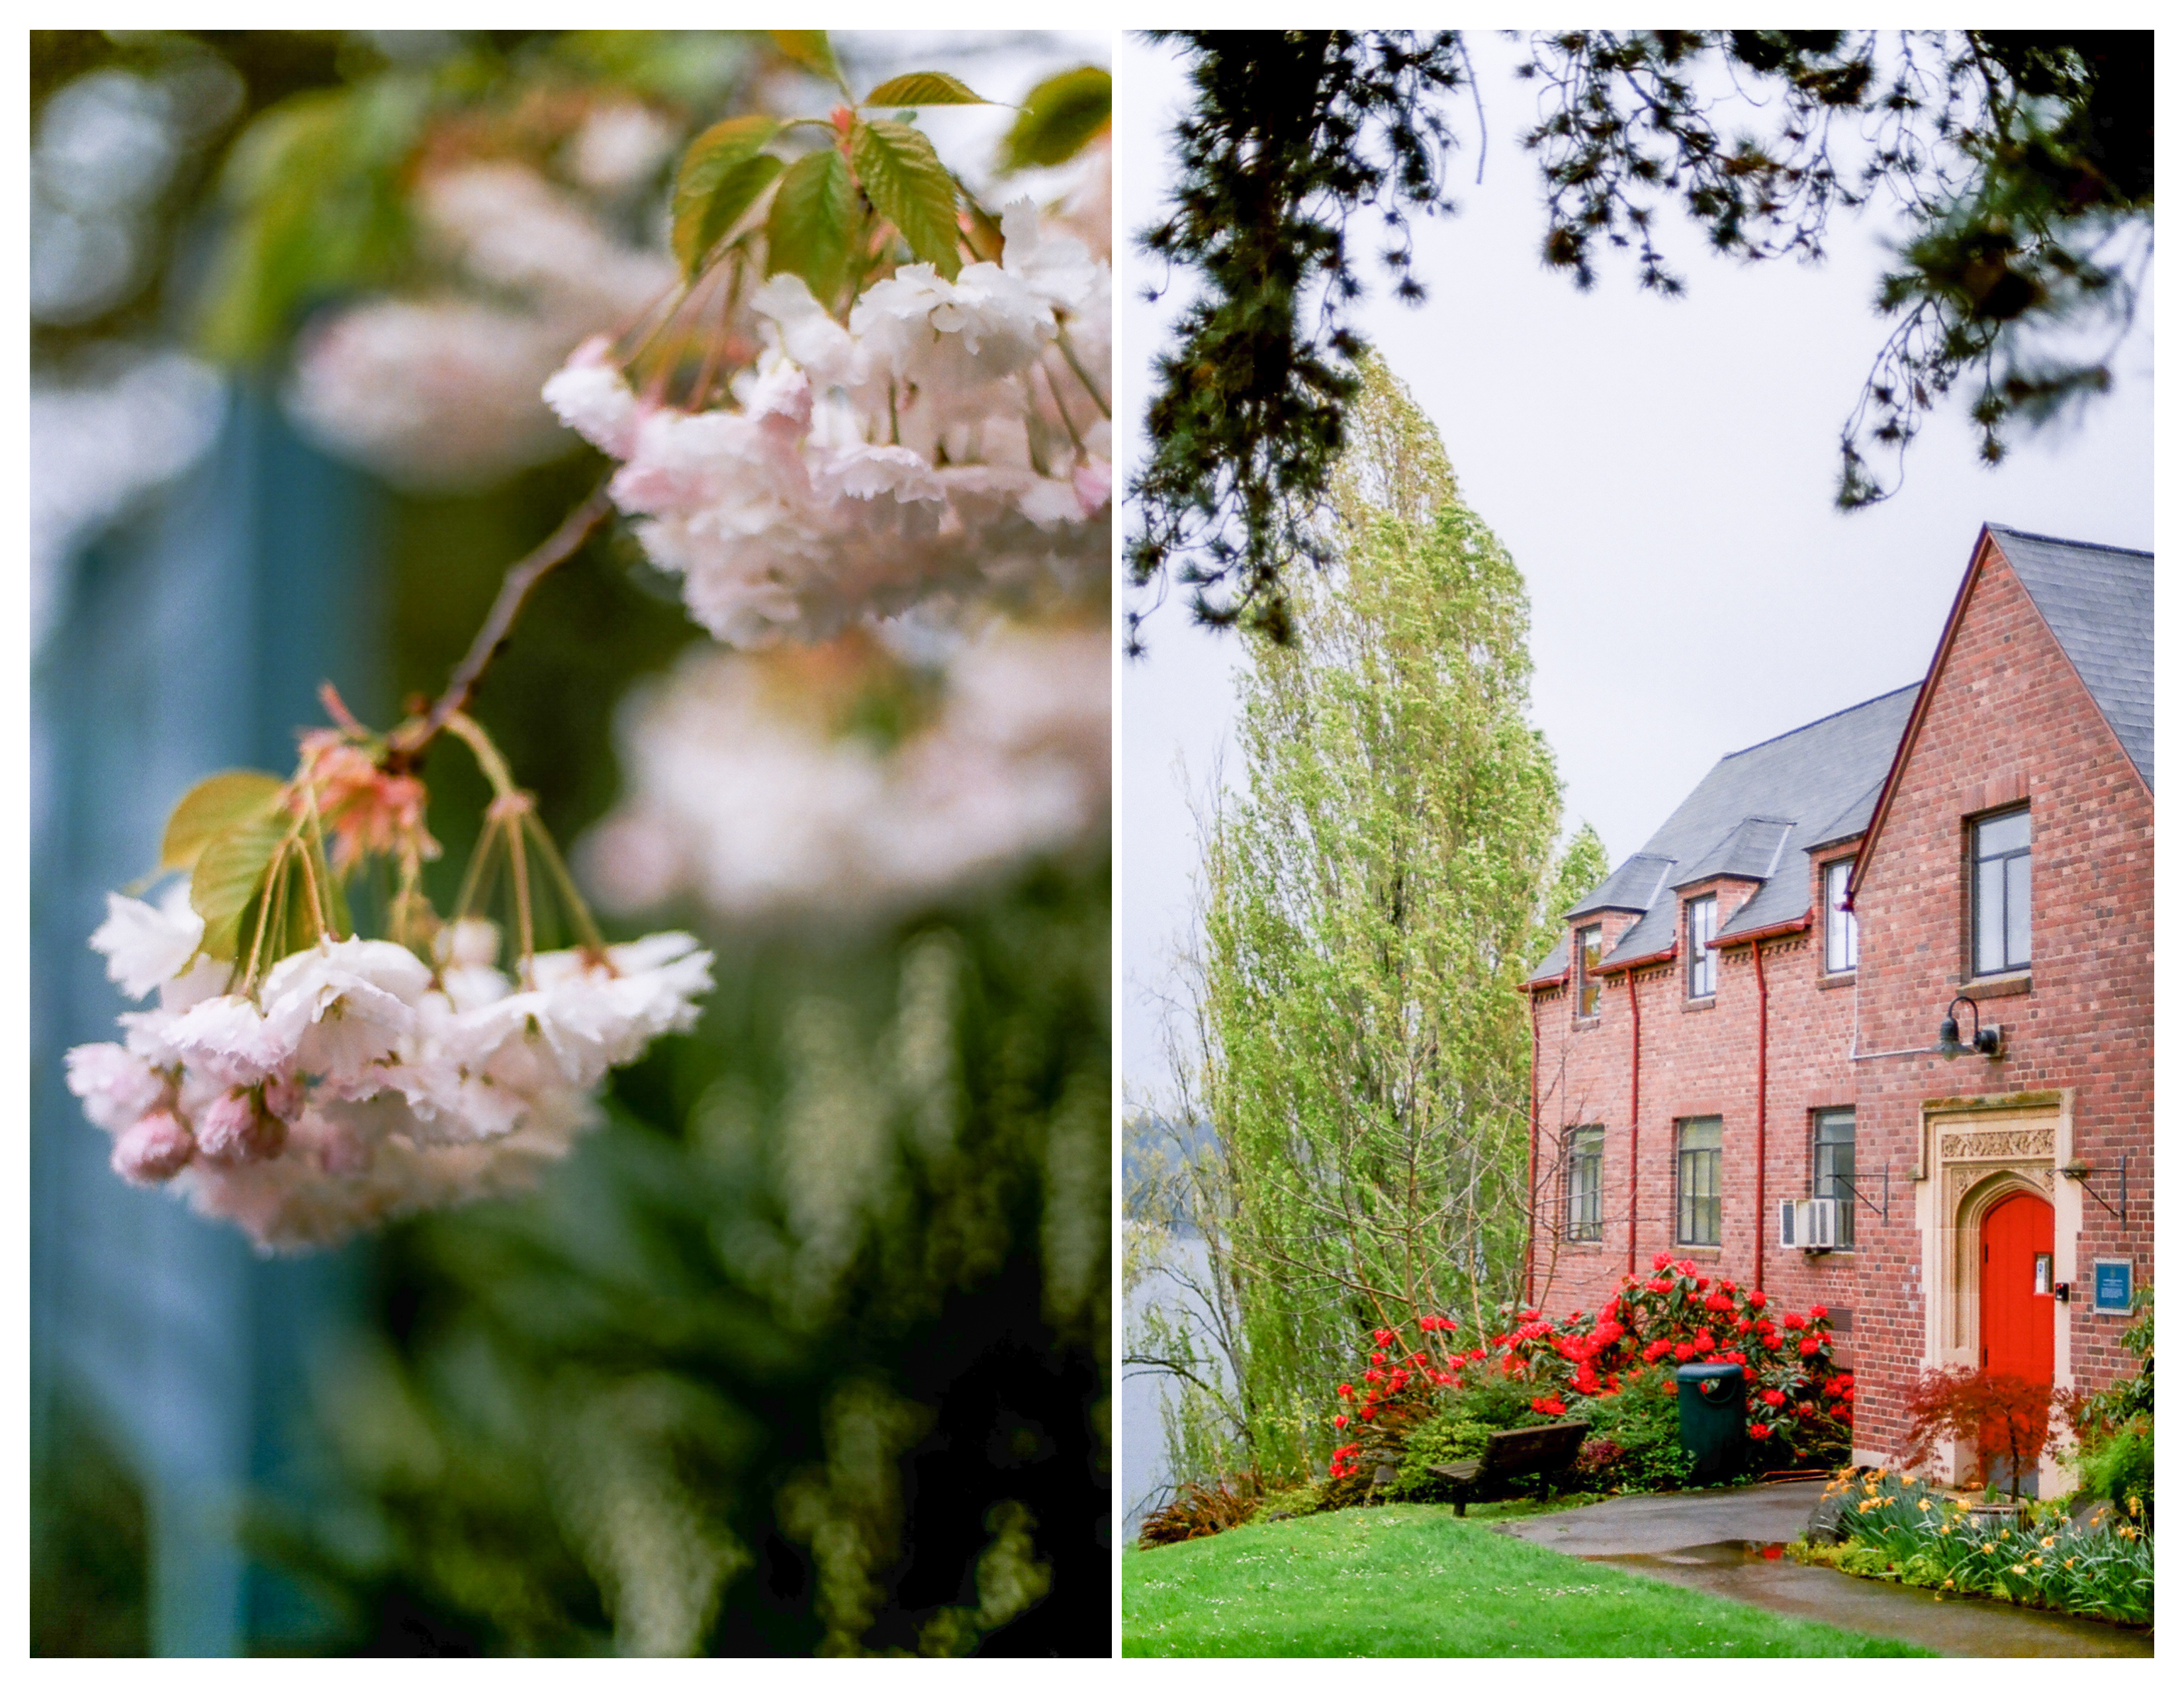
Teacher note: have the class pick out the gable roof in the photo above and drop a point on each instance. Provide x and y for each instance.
(2098, 602)
(1752, 817)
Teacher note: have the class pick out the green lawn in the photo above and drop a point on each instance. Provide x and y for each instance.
(1410, 1581)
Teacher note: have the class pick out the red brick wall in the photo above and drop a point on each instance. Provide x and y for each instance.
(1694, 1060)
(2006, 717)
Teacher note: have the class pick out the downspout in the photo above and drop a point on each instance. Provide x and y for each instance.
(1759, 1206)
(1631, 985)
(1532, 1162)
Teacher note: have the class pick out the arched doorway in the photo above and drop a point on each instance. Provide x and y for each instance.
(2017, 1287)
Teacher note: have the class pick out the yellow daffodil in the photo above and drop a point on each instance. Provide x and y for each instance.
(1925, 1506)
(2047, 1541)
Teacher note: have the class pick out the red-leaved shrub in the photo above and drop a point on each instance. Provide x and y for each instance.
(2007, 1417)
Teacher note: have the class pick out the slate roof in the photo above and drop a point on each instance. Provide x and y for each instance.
(2098, 602)
(1753, 817)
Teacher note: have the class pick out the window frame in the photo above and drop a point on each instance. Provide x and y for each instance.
(1975, 904)
(1587, 1147)
(1840, 923)
(1701, 960)
(1689, 1203)
(1836, 1182)
(1587, 976)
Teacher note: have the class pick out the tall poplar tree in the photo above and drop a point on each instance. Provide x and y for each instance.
(1375, 895)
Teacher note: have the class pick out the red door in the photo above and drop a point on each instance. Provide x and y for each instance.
(2017, 1288)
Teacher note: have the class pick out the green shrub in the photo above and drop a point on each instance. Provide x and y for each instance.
(1441, 1440)
(1641, 1419)
(2119, 1467)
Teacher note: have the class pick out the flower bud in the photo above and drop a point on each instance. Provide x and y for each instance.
(154, 1149)
(285, 1096)
(237, 1130)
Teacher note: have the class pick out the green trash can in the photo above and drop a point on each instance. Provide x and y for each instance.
(1710, 1416)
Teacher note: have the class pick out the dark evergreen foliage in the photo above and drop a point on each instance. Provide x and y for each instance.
(2021, 165)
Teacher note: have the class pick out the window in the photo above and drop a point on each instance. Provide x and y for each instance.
(1588, 959)
(1834, 1164)
(2002, 893)
(1698, 921)
(1698, 1182)
(1842, 924)
(1586, 1143)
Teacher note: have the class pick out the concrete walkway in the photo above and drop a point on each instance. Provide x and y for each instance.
(1715, 1540)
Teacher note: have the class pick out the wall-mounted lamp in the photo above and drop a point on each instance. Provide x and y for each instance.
(1986, 1041)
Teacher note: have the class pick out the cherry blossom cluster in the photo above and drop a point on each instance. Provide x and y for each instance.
(950, 440)
(358, 1082)
(743, 790)
(441, 391)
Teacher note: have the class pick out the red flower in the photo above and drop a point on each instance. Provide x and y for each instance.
(1791, 1321)
(1367, 1413)
(1655, 1350)
(1703, 1342)
(1341, 1420)
(1804, 1409)
(1759, 1298)
(1662, 1259)
(1743, 1325)
(1668, 1386)
(1818, 1313)
(1660, 1286)
(1703, 1283)
(1684, 1350)
(1549, 1406)
(1345, 1390)
(1811, 1344)
(1773, 1341)
(1750, 1376)
(1383, 1338)
(1608, 1333)
(1761, 1432)
(1772, 1397)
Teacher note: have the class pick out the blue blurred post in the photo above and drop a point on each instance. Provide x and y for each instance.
(193, 643)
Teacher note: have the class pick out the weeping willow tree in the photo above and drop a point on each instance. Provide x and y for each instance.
(1374, 896)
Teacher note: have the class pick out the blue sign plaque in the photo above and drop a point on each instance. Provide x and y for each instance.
(2111, 1286)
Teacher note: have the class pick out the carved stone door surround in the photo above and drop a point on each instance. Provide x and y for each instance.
(1973, 1151)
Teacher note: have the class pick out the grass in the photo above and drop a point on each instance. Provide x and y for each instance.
(1410, 1581)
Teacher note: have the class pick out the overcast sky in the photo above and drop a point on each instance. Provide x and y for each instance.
(1663, 472)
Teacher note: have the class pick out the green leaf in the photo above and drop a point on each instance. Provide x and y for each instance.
(810, 48)
(923, 87)
(230, 877)
(1059, 116)
(723, 172)
(211, 806)
(909, 185)
(807, 232)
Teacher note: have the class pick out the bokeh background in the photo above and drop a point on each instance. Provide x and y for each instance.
(806, 1348)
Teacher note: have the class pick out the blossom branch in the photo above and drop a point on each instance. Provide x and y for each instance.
(514, 587)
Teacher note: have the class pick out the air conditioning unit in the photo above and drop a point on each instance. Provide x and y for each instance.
(1809, 1225)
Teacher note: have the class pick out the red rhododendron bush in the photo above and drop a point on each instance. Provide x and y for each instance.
(1799, 1401)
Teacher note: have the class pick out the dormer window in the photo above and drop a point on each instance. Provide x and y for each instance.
(1842, 924)
(1588, 965)
(1698, 930)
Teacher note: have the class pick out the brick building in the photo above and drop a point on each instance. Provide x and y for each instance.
(1750, 1010)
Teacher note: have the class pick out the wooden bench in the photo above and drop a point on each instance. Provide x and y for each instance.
(1512, 1453)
